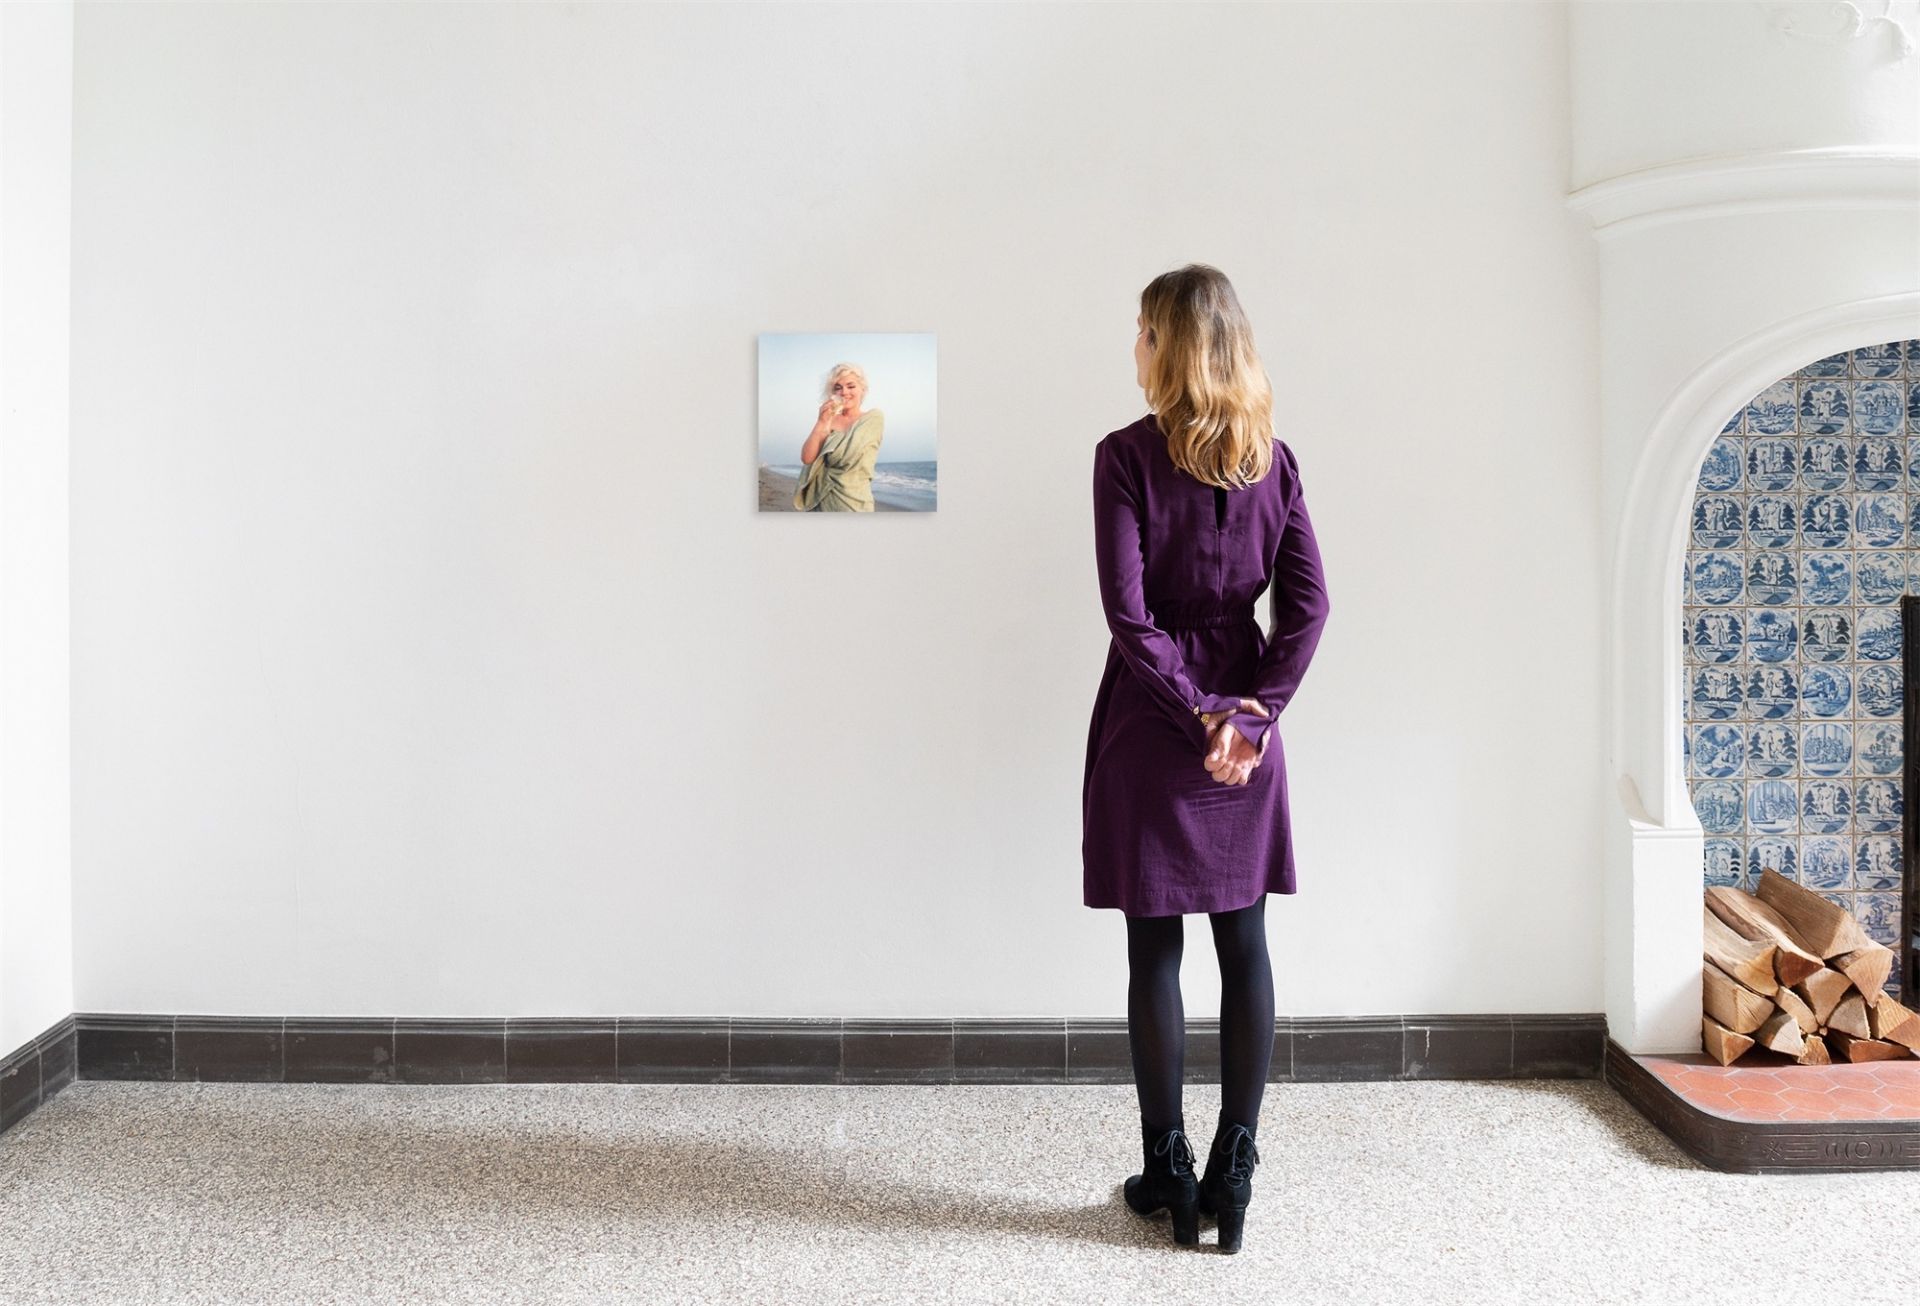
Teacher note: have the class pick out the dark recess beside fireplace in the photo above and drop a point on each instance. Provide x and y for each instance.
(1909, 960)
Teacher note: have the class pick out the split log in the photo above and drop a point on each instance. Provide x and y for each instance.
(1815, 1053)
(1850, 1017)
(1822, 991)
(1732, 1003)
(1794, 1005)
(1746, 960)
(1752, 919)
(1782, 1035)
(1866, 1049)
(1887, 1019)
(1868, 968)
(1817, 925)
(1721, 1043)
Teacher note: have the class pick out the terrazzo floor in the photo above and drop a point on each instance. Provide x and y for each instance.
(1435, 1191)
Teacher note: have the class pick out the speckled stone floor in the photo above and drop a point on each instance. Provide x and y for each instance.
(1435, 1191)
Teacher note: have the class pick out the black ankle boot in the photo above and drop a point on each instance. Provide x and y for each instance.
(1227, 1186)
(1167, 1182)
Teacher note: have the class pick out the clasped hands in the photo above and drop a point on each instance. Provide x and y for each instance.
(1231, 759)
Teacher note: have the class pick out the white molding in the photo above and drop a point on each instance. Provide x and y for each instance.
(1844, 177)
(1841, 22)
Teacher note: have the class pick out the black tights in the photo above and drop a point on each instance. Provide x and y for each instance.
(1156, 1020)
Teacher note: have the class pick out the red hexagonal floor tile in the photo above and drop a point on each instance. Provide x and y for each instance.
(1772, 1087)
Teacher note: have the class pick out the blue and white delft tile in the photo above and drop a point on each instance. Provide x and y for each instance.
(1772, 749)
(1826, 410)
(1721, 806)
(1877, 863)
(1879, 519)
(1773, 854)
(1826, 862)
(1877, 634)
(1772, 521)
(1879, 690)
(1725, 466)
(1875, 360)
(1827, 636)
(1770, 635)
(1772, 464)
(1717, 522)
(1725, 863)
(1878, 807)
(1770, 692)
(1716, 636)
(1826, 579)
(1882, 577)
(1879, 748)
(1804, 534)
(1826, 690)
(1774, 411)
(1878, 462)
(1826, 807)
(1773, 807)
(1878, 408)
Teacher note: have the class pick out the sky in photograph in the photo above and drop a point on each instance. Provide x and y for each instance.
(901, 382)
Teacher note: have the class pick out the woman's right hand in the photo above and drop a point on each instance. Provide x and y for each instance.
(1231, 759)
(828, 411)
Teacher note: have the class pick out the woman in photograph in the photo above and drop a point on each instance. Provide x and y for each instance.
(1197, 510)
(842, 448)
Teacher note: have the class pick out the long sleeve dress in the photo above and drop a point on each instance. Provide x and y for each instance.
(840, 477)
(1181, 565)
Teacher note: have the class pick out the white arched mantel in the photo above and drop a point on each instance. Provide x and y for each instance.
(1718, 276)
(1654, 864)
(1751, 172)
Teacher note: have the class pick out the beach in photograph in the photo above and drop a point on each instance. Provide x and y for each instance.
(776, 494)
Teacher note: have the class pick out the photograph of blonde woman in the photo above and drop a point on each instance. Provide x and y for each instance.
(845, 451)
(842, 448)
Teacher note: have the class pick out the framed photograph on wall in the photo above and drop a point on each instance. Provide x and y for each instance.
(847, 422)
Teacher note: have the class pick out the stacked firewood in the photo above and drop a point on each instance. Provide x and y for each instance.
(1789, 970)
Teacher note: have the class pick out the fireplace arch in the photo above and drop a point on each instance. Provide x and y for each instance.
(1657, 844)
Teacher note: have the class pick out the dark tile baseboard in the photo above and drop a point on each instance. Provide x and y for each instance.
(32, 1074)
(1761, 1146)
(743, 1050)
(803, 1050)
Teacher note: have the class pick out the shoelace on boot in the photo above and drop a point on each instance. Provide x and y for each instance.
(1174, 1146)
(1240, 1162)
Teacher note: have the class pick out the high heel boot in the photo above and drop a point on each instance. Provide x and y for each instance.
(1227, 1186)
(1167, 1182)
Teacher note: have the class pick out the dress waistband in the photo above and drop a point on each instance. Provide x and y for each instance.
(1188, 614)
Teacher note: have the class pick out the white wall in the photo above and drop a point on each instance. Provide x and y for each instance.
(430, 656)
(36, 908)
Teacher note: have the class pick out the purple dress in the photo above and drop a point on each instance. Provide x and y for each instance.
(1181, 566)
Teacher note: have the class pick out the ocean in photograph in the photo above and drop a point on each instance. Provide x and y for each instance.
(911, 486)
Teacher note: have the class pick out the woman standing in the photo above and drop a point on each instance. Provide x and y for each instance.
(842, 448)
(1197, 509)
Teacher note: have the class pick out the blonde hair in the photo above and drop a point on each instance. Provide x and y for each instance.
(1205, 382)
(839, 370)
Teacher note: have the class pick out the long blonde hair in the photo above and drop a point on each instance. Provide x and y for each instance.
(1205, 382)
